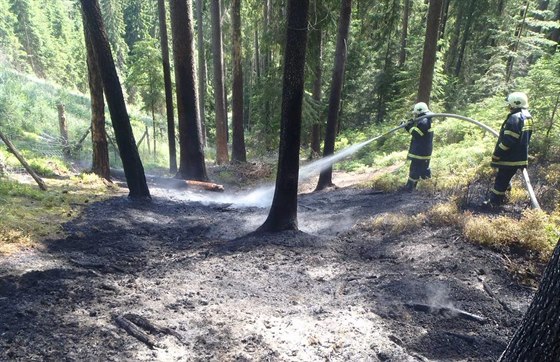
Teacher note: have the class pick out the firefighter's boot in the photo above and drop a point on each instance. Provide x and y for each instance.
(410, 186)
(495, 200)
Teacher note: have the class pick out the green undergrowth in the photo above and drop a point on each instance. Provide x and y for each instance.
(29, 215)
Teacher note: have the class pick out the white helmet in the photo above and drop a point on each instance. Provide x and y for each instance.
(420, 108)
(517, 100)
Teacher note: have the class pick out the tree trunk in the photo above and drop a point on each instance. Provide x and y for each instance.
(100, 146)
(430, 50)
(283, 212)
(132, 164)
(451, 56)
(317, 93)
(238, 146)
(404, 33)
(465, 39)
(515, 46)
(325, 179)
(444, 17)
(538, 336)
(554, 35)
(222, 156)
(191, 165)
(168, 87)
(63, 126)
(201, 70)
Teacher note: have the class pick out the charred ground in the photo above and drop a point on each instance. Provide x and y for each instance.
(336, 290)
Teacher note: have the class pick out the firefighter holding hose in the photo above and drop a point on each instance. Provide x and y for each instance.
(421, 145)
(512, 148)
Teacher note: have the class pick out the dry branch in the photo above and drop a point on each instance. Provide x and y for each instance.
(22, 160)
(446, 310)
(134, 331)
(151, 327)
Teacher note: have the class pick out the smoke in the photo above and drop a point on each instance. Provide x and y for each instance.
(262, 196)
(438, 296)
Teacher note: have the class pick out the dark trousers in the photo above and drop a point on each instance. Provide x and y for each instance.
(503, 178)
(419, 169)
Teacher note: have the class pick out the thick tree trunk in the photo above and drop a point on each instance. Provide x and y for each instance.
(132, 164)
(220, 103)
(538, 336)
(168, 87)
(191, 165)
(430, 50)
(283, 212)
(201, 70)
(100, 147)
(238, 146)
(325, 178)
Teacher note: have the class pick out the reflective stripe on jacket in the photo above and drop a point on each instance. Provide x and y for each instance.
(512, 147)
(421, 144)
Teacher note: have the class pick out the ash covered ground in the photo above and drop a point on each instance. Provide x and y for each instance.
(182, 279)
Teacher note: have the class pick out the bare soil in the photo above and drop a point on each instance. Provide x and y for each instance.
(194, 284)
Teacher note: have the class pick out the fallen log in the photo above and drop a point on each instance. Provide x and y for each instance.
(446, 310)
(208, 186)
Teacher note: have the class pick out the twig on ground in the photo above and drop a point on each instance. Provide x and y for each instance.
(489, 291)
(144, 323)
(134, 331)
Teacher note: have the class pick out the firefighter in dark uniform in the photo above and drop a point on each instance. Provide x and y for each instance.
(512, 147)
(421, 144)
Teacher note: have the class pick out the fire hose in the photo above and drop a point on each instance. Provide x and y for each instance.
(528, 186)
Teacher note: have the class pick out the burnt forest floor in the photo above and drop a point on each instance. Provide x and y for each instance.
(181, 280)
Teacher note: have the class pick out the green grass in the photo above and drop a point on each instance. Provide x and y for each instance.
(30, 215)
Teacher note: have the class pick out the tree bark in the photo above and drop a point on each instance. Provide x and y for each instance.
(201, 70)
(100, 147)
(191, 165)
(168, 87)
(238, 146)
(283, 212)
(538, 336)
(430, 50)
(325, 178)
(222, 156)
(132, 164)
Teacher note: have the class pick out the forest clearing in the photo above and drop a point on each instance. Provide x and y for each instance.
(337, 290)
